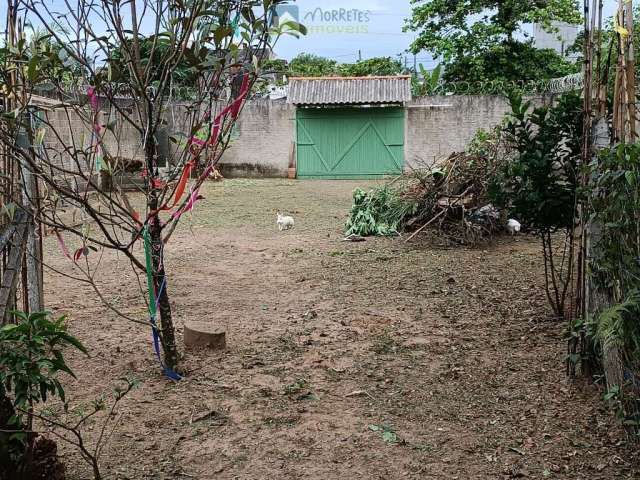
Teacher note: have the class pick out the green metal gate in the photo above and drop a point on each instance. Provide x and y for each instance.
(344, 143)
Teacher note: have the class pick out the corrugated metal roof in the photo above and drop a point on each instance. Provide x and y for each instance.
(349, 90)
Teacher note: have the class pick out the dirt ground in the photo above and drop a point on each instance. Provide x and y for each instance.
(374, 360)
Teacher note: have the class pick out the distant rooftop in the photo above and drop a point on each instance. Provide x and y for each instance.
(349, 90)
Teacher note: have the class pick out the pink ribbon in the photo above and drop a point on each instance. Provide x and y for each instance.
(63, 246)
(193, 198)
(93, 98)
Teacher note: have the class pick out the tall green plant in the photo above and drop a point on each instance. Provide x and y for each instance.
(430, 81)
(614, 202)
(539, 186)
(31, 358)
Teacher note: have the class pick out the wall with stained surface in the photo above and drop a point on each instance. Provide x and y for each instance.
(264, 135)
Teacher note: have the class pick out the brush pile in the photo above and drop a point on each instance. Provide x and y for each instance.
(454, 198)
(451, 198)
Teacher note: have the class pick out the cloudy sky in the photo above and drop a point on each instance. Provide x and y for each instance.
(383, 27)
(344, 29)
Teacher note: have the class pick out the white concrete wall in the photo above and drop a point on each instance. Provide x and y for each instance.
(435, 127)
(438, 126)
(264, 134)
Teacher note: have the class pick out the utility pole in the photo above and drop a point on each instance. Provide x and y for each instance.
(359, 55)
(415, 64)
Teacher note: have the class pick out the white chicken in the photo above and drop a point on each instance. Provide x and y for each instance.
(513, 226)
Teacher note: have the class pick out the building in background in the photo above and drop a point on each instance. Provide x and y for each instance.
(560, 41)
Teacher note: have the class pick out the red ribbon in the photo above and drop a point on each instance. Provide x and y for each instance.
(93, 98)
(196, 145)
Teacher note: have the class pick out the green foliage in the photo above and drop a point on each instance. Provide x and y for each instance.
(615, 207)
(277, 65)
(387, 433)
(377, 66)
(31, 356)
(46, 61)
(310, 65)
(618, 327)
(478, 38)
(538, 187)
(485, 143)
(509, 62)
(614, 204)
(429, 82)
(153, 49)
(380, 212)
(454, 28)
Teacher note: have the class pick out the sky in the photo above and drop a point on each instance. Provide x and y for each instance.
(383, 27)
(347, 30)
(384, 35)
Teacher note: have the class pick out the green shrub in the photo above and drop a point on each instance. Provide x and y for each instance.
(538, 184)
(538, 187)
(380, 212)
(31, 357)
(614, 206)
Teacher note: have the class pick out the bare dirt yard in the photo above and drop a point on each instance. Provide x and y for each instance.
(373, 360)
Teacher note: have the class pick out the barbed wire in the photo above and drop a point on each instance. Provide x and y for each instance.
(498, 87)
(495, 87)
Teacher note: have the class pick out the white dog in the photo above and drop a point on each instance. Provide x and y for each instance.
(285, 222)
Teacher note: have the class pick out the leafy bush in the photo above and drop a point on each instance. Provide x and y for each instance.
(380, 212)
(310, 65)
(510, 62)
(376, 66)
(538, 185)
(31, 357)
(614, 203)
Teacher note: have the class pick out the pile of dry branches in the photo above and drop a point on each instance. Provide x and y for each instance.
(453, 198)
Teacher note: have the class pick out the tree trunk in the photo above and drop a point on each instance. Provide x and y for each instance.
(166, 330)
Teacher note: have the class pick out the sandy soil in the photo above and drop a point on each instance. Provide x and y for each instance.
(366, 361)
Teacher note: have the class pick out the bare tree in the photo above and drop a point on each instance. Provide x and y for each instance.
(110, 67)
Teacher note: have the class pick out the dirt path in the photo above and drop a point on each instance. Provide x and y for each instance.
(371, 360)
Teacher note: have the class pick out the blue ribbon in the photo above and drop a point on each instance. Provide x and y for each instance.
(171, 374)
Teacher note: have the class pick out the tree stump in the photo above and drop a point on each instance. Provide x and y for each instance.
(204, 335)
